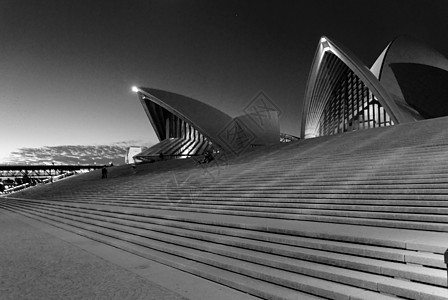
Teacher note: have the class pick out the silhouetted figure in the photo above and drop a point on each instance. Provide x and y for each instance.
(104, 172)
(26, 179)
(161, 156)
(208, 157)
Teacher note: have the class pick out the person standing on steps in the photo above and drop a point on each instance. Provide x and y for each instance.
(104, 172)
(208, 157)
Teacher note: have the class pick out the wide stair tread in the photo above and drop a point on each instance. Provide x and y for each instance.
(292, 280)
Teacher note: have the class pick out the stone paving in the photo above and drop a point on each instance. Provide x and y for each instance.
(37, 265)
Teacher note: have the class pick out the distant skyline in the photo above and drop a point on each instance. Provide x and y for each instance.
(71, 155)
(67, 67)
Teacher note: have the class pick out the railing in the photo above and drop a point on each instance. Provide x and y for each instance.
(42, 170)
(45, 181)
(16, 188)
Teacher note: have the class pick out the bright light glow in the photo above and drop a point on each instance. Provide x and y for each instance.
(135, 89)
(325, 44)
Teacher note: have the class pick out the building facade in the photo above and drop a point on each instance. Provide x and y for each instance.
(342, 94)
(187, 127)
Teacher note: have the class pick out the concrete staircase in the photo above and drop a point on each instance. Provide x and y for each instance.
(363, 215)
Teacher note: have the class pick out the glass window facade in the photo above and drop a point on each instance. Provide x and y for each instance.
(179, 139)
(190, 140)
(341, 101)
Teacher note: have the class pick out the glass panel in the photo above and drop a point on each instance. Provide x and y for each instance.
(349, 104)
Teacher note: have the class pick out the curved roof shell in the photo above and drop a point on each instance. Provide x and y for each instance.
(415, 76)
(320, 84)
(206, 119)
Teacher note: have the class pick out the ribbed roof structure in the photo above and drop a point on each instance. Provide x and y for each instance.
(337, 75)
(158, 103)
(187, 126)
(407, 83)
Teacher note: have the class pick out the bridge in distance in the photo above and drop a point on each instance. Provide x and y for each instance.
(43, 171)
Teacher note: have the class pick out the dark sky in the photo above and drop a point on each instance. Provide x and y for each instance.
(66, 67)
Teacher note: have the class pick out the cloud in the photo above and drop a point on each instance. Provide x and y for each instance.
(74, 154)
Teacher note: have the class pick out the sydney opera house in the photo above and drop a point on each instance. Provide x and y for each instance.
(187, 127)
(355, 208)
(407, 83)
